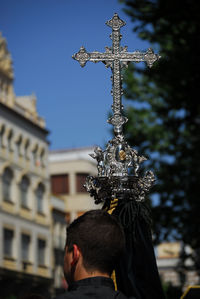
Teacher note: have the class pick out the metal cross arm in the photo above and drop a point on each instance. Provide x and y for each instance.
(116, 57)
(109, 57)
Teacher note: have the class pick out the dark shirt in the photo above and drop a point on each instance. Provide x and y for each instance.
(95, 287)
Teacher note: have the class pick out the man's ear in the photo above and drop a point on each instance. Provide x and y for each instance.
(76, 255)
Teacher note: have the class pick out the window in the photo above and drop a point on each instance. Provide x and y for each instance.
(8, 236)
(26, 149)
(80, 181)
(42, 157)
(2, 134)
(6, 181)
(24, 191)
(40, 197)
(41, 252)
(25, 247)
(35, 154)
(60, 184)
(18, 145)
(67, 218)
(10, 137)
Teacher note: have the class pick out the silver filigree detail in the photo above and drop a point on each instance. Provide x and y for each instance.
(117, 159)
(150, 57)
(116, 58)
(119, 164)
(115, 23)
(82, 56)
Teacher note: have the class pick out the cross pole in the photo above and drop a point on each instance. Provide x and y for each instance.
(116, 57)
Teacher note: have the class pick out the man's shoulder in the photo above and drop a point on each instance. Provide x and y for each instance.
(120, 295)
(66, 295)
(73, 295)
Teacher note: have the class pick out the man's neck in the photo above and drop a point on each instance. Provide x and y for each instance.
(83, 274)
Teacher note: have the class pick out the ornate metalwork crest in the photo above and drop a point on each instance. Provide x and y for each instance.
(118, 165)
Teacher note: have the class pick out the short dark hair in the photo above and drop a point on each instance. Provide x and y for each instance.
(100, 238)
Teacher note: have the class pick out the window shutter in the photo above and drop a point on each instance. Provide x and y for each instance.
(60, 184)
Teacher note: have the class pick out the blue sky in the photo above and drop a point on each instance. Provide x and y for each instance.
(42, 36)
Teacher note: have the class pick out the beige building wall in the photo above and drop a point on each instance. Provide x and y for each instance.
(73, 162)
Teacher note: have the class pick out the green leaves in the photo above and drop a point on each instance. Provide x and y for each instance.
(163, 108)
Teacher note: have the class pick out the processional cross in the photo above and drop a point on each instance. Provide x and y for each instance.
(116, 57)
(119, 184)
(116, 161)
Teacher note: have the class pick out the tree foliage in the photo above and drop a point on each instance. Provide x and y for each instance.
(164, 120)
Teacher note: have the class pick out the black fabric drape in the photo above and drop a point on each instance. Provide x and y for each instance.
(137, 273)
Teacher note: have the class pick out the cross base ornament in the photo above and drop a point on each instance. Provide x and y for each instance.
(118, 165)
(114, 167)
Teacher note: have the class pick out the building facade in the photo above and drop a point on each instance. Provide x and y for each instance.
(68, 171)
(25, 235)
(170, 267)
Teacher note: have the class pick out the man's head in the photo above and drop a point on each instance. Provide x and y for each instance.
(98, 238)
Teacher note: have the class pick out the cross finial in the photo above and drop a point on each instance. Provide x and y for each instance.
(115, 23)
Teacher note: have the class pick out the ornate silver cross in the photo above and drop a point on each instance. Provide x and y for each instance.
(116, 57)
(118, 165)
